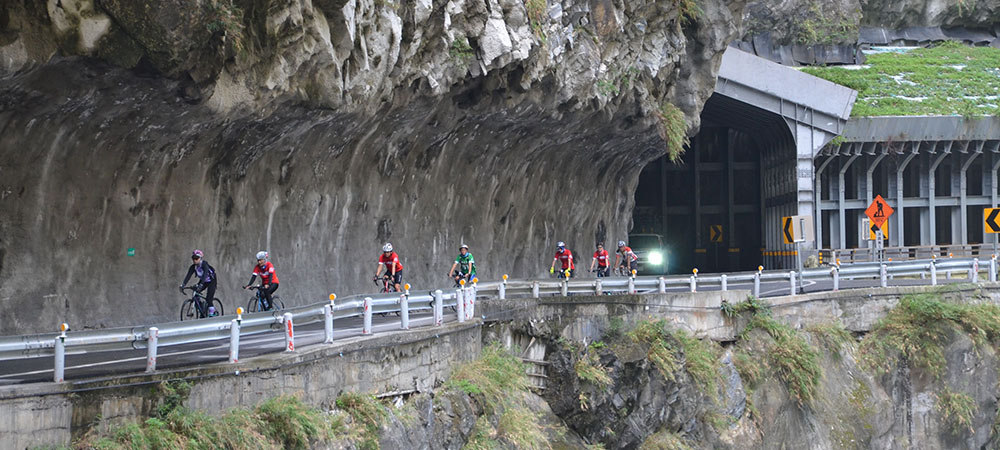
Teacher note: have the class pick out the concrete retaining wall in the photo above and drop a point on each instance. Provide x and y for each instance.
(53, 414)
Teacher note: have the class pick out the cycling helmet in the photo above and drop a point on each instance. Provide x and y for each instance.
(262, 255)
(464, 246)
(387, 247)
(560, 245)
(621, 243)
(197, 254)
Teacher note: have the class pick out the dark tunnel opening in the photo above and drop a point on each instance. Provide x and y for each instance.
(708, 207)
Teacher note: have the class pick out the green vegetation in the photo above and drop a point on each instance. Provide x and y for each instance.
(537, 16)
(957, 410)
(916, 328)
(496, 381)
(949, 79)
(664, 440)
(673, 130)
(460, 50)
(589, 368)
(366, 411)
(826, 27)
(226, 18)
(689, 10)
(832, 337)
(701, 358)
(282, 422)
(794, 360)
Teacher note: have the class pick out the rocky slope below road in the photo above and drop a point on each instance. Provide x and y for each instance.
(320, 129)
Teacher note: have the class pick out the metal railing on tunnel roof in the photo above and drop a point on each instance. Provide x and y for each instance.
(461, 300)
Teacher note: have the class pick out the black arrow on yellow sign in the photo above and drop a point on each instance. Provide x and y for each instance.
(991, 220)
(787, 228)
(715, 233)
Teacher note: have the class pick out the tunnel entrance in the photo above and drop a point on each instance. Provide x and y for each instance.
(708, 206)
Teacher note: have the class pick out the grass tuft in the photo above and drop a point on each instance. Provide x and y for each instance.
(664, 440)
(366, 411)
(661, 353)
(918, 326)
(957, 410)
(589, 368)
(672, 126)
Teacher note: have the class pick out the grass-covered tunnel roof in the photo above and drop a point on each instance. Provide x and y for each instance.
(948, 79)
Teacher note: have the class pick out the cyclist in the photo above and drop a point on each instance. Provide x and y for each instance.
(268, 278)
(206, 280)
(601, 259)
(465, 264)
(565, 257)
(628, 258)
(396, 271)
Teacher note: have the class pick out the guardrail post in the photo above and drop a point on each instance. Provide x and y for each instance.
(974, 271)
(756, 284)
(791, 283)
(289, 333)
(694, 283)
(631, 285)
(725, 282)
(835, 271)
(367, 327)
(662, 285)
(564, 288)
(883, 275)
(993, 269)
(152, 339)
(404, 308)
(59, 372)
(438, 307)
(234, 341)
(534, 289)
(404, 312)
(470, 302)
(328, 323)
(598, 287)
(502, 289)
(933, 272)
(460, 304)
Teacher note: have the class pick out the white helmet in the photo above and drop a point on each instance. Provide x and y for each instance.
(561, 244)
(621, 243)
(262, 255)
(387, 247)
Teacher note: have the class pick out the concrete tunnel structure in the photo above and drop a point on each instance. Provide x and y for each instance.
(766, 150)
(750, 165)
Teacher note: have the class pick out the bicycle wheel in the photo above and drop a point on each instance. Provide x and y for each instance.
(276, 303)
(253, 305)
(217, 303)
(188, 311)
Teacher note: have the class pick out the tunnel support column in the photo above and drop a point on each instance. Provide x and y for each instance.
(931, 213)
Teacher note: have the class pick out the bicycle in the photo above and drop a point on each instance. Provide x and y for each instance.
(602, 273)
(189, 310)
(387, 285)
(257, 300)
(457, 276)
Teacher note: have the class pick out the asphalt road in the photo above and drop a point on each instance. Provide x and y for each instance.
(83, 365)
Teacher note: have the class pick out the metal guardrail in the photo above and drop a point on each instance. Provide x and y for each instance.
(462, 300)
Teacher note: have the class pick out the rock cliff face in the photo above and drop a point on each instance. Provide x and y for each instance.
(318, 130)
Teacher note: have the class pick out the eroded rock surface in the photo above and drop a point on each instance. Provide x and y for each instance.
(318, 130)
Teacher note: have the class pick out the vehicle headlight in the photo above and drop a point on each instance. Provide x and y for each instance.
(655, 258)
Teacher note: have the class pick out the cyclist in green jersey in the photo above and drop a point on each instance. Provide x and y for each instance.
(464, 266)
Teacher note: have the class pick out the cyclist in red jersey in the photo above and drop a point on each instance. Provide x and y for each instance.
(268, 278)
(389, 257)
(628, 257)
(601, 260)
(565, 257)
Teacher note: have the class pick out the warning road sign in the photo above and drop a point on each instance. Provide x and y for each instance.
(797, 229)
(990, 223)
(879, 211)
(715, 233)
(873, 231)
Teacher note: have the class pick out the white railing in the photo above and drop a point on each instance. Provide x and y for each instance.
(461, 300)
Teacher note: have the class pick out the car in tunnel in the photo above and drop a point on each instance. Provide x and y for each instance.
(651, 252)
